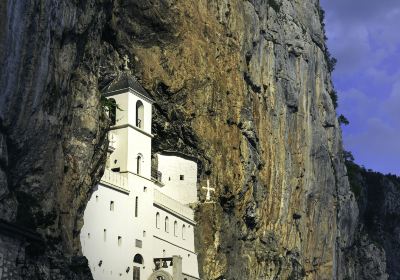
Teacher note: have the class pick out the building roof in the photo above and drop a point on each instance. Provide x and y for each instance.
(126, 81)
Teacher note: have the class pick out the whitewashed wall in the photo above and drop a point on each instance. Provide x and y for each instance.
(172, 167)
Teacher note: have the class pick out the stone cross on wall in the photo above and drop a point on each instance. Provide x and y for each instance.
(126, 61)
(209, 190)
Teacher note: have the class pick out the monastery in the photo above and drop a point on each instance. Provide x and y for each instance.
(138, 224)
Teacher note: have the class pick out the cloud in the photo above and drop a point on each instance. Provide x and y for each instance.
(381, 141)
(360, 10)
(392, 106)
(364, 37)
(362, 33)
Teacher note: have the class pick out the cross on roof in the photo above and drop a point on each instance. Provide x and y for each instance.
(208, 195)
(126, 61)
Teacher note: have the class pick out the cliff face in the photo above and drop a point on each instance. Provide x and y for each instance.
(241, 85)
(376, 252)
(52, 128)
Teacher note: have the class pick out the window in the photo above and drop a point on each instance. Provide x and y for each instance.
(183, 232)
(111, 205)
(166, 224)
(164, 253)
(119, 240)
(175, 228)
(88, 235)
(138, 164)
(144, 189)
(144, 233)
(139, 114)
(105, 235)
(138, 259)
(158, 220)
(97, 198)
(181, 177)
(136, 206)
(138, 243)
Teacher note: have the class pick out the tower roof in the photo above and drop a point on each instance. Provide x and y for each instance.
(126, 81)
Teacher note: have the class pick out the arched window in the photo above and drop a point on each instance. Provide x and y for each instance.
(138, 259)
(138, 164)
(183, 232)
(139, 114)
(136, 206)
(113, 111)
(158, 220)
(166, 225)
(175, 228)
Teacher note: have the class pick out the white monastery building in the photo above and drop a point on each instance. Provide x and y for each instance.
(138, 224)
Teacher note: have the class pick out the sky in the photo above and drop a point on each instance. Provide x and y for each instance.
(364, 36)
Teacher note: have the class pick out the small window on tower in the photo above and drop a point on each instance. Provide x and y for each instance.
(119, 240)
(111, 205)
(136, 206)
(181, 177)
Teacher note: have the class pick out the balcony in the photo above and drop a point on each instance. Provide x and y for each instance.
(115, 180)
(173, 206)
(156, 176)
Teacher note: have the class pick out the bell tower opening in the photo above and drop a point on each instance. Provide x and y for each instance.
(139, 114)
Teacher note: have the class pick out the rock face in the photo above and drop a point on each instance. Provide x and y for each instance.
(241, 85)
(376, 252)
(52, 130)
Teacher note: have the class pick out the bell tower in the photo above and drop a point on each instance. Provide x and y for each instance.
(131, 126)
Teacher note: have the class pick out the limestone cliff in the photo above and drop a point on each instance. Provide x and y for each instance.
(52, 130)
(241, 85)
(376, 252)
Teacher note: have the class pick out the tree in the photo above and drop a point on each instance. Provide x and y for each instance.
(343, 120)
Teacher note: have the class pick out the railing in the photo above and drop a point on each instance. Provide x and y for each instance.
(112, 138)
(156, 175)
(173, 205)
(139, 123)
(115, 179)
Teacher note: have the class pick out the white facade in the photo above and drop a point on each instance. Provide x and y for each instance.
(179, 176)
(132, 218)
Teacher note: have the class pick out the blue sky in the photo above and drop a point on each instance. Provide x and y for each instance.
(364, 36)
